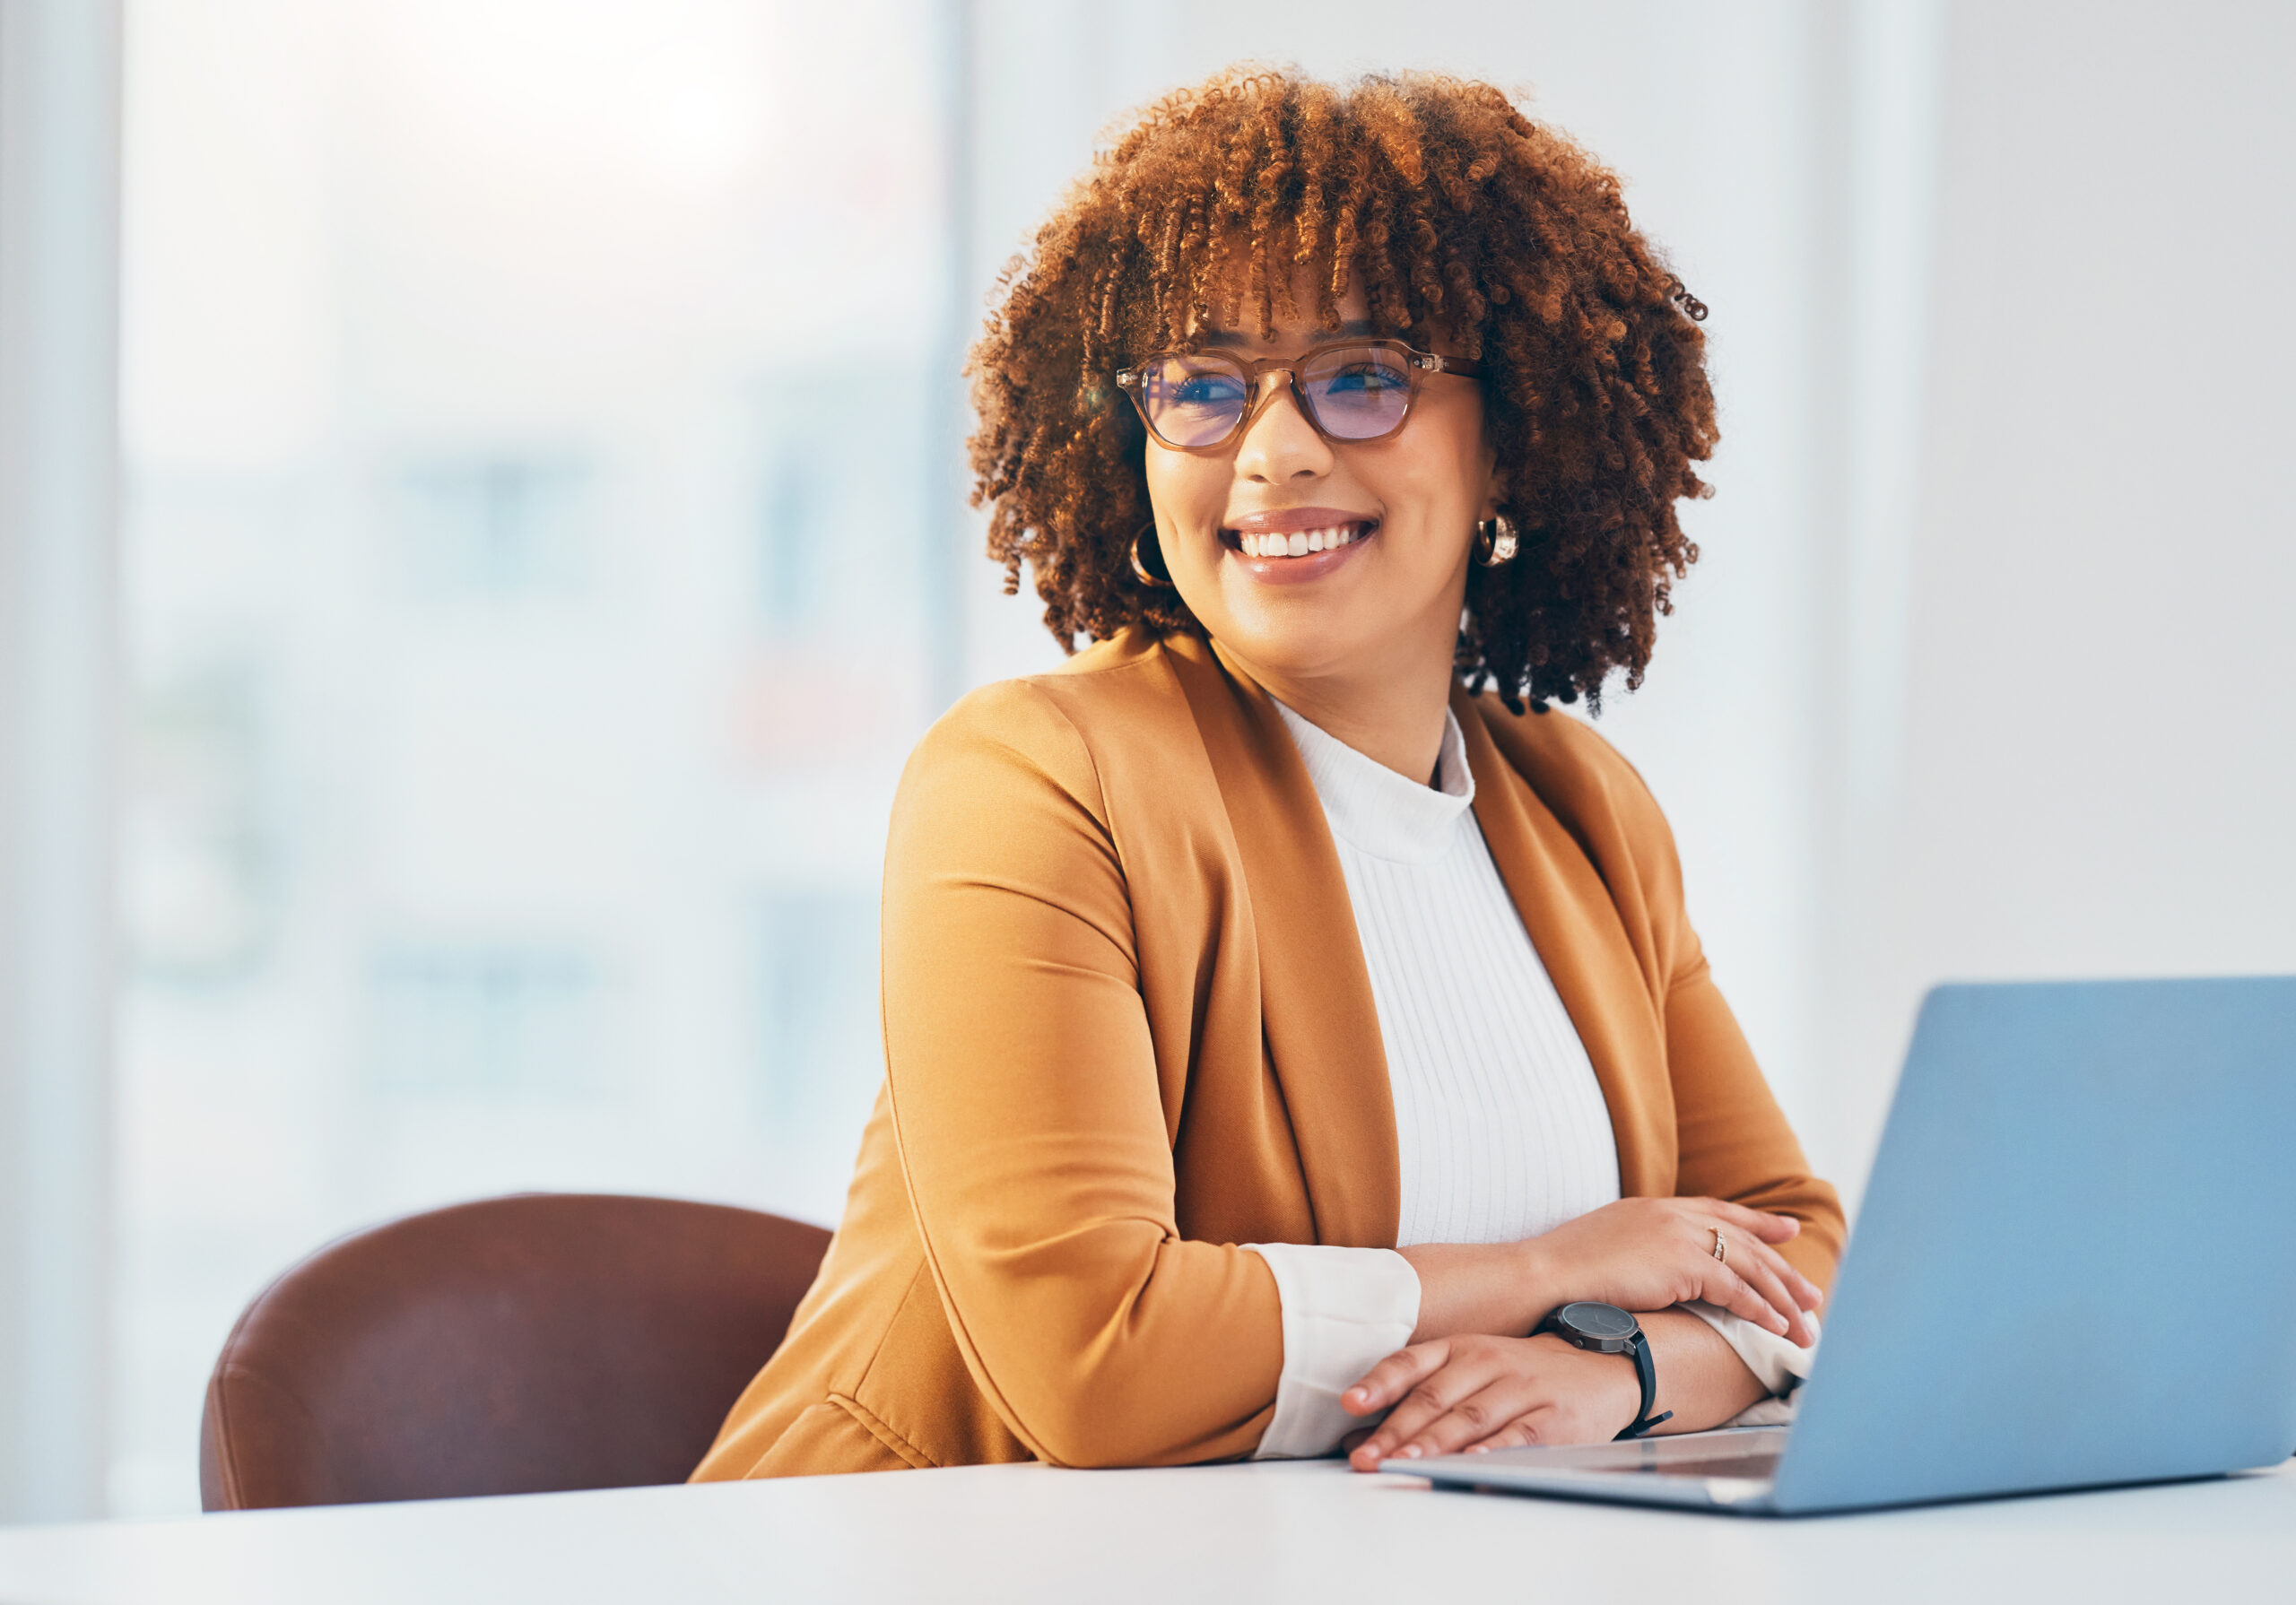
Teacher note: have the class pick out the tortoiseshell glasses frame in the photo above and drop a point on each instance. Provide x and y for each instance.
(1352, 391)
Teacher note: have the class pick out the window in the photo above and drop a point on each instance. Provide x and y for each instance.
(523, 616)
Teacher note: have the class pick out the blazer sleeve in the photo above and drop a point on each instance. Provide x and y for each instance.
(1732, 1140)
(1026, 1111)
(1732, 1135)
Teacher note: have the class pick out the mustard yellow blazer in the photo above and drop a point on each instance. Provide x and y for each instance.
(1127, 1027)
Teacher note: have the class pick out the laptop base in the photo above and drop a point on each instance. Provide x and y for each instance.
(1731, 1469)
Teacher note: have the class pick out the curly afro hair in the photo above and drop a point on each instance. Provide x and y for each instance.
(1460, 217)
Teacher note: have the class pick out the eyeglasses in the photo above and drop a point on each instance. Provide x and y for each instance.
(1351, 390)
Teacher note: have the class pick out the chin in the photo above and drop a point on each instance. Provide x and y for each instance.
(1298, 650)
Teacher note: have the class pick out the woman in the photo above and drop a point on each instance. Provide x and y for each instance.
(1277, 1030)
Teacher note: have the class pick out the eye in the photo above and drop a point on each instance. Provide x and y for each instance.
(1365, 378)
(1212, 389)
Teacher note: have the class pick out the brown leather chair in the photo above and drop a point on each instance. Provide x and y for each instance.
(517, 1345)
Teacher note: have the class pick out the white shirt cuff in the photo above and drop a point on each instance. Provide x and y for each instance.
(1344, 1311)
(1778, 1364)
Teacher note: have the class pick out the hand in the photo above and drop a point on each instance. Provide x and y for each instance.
(1649, 1253)
(1477, 1393)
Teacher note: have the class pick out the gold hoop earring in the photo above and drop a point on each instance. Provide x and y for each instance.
(1495, 540)
(1149, 576)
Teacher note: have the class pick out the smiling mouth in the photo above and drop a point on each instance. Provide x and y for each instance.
(1297, 543)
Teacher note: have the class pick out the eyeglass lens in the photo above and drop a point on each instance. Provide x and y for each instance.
(1354, 392)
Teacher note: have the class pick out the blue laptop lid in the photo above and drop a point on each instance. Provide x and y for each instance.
(2075, 1263)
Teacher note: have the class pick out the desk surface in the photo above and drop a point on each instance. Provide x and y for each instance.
(1019, 1533)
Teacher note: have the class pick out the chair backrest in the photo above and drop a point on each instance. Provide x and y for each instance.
(517, 1345)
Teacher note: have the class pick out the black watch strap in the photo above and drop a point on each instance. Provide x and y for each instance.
(1646, 1373)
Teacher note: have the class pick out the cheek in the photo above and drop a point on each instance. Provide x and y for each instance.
(1436, 497)
(1184, 490)
(1188, 495)
(1446, 473)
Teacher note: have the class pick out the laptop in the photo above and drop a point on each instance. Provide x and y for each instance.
(2076, 1267)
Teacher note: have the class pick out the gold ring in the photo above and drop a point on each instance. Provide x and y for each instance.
(1721, 1247)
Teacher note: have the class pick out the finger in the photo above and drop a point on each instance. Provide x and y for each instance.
(1520, 1433)
(1427, 1402)
(1765, 1281)
(1475, 1417)
(1804, 1315)
(1801, 1293)
(1723, 1286)
(1722, 1279)
(1806, 1293)
(1757, 1265)
(1468, 1373)
(1395, 1376)
(1761, 1223)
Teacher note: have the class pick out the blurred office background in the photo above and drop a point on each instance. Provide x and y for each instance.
(451, 755)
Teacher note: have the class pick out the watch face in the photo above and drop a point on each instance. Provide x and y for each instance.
(1601, 1321)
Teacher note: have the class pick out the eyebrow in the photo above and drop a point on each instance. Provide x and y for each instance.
(1354, 328)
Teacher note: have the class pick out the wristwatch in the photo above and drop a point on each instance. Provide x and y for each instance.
(1606, 1329)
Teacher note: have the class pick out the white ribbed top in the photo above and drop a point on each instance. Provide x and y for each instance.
(1501, 1131)
(1501, 1125)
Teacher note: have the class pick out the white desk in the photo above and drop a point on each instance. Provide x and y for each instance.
(1258, 1533)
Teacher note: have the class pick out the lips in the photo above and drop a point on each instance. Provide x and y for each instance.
(1295, 546)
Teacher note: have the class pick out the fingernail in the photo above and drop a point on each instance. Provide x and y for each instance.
(1478, 1448)
(1410, 1452)
(1357, 1394)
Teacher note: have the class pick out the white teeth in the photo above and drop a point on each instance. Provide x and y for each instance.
(1300, 543)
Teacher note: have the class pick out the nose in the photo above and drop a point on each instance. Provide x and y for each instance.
(1280, 445)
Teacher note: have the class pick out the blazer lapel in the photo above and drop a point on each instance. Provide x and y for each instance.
(1575, 926)
(1322, 1027)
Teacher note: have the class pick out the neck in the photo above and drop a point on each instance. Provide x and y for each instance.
(1392, 713)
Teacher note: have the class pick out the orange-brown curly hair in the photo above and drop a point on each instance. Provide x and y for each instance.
(1462, 218)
